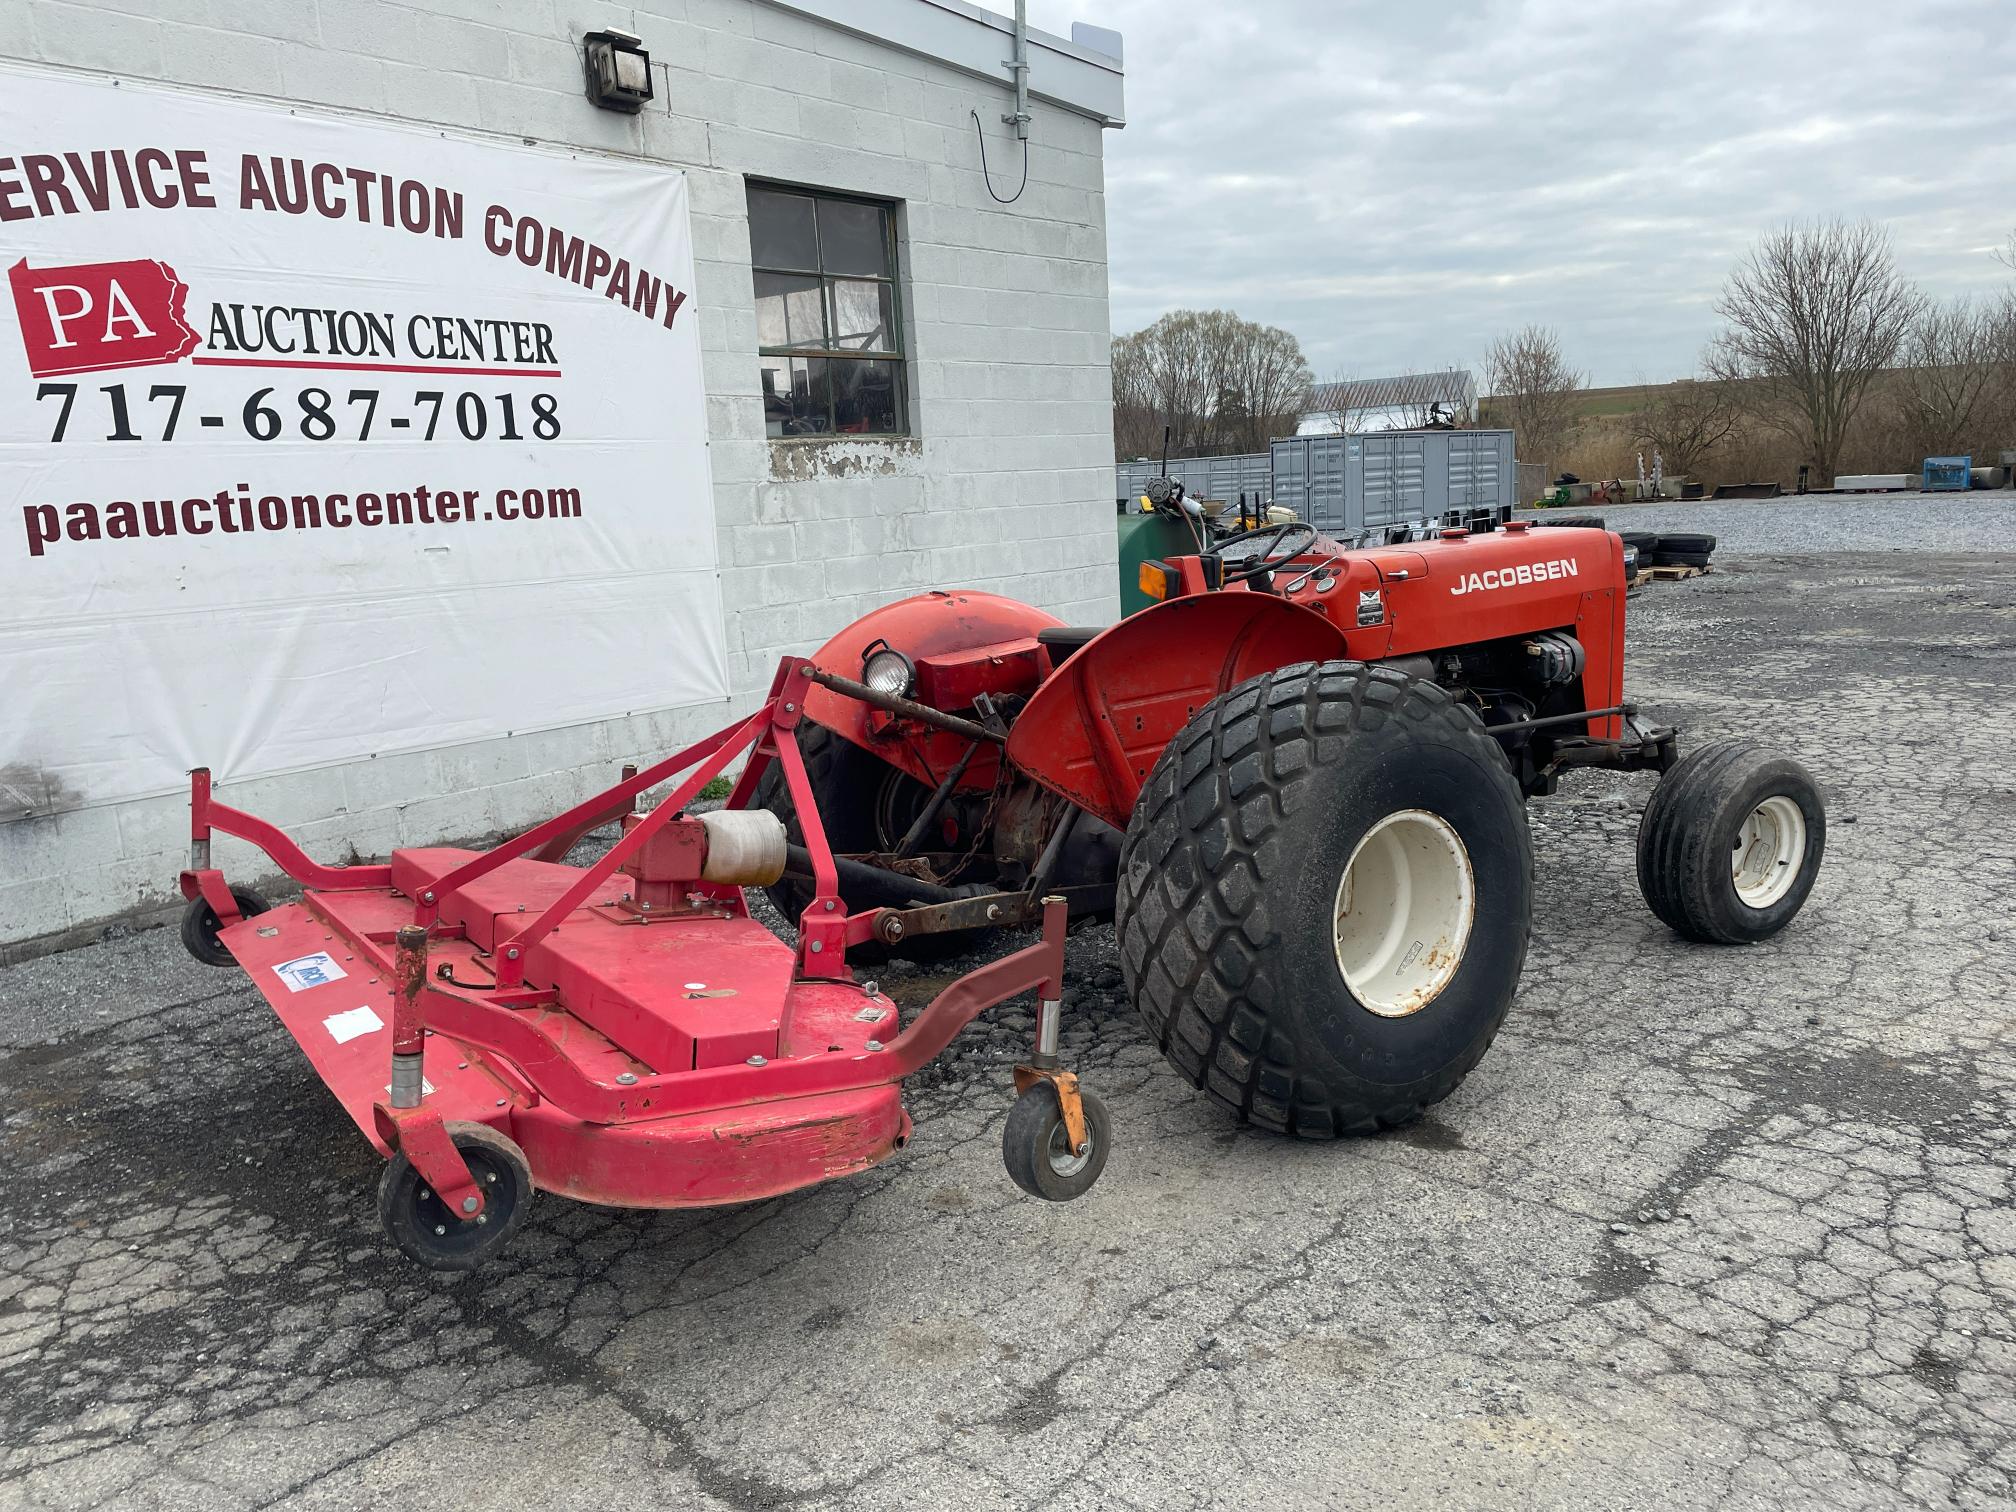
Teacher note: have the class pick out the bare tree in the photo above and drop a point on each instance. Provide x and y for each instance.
(1954, 381)
(1265, 387)
(1534, 391)
(1814, 314)
(1217, 382)
(1330, 404)
(1162, 376)
(1686, 421)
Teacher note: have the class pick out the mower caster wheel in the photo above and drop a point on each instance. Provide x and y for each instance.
(1037, 1150)
(200, 927)
(417, 1220)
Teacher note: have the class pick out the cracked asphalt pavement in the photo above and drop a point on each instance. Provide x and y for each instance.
(1707, 1228)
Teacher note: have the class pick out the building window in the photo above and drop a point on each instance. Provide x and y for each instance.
(827, 320)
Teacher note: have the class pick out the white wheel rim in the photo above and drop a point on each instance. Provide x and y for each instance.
(1058, 1153)
(1768, 852)
(1404, 908)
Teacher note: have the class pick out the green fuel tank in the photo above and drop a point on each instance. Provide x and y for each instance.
(1147, 537)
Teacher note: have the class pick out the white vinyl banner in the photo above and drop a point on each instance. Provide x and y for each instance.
(325, 437)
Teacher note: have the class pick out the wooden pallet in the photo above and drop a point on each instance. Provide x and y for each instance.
(1646, 575)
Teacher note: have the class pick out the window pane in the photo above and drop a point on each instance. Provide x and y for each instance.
(864, 315)
(864, 397)
(851, 238)
(780, 230)
(795, 399)
(787, 310)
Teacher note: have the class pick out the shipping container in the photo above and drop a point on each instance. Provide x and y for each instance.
(1344, 485)
(1202, 477)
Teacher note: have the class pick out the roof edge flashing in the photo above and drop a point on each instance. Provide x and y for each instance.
(1075, 75)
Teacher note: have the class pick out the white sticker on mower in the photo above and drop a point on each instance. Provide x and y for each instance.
(1513, 577)
(358, 1022)
(303, 972)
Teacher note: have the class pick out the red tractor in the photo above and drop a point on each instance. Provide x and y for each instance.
(1297, 784)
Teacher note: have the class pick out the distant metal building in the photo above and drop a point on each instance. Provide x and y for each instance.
(1365, 406)
(1346, 484)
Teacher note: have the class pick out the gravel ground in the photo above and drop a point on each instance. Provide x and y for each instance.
(1707, 1228)
(1828, 522)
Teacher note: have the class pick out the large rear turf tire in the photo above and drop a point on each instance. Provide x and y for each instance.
(858, 795)
(1730, 843)
(1324, 898)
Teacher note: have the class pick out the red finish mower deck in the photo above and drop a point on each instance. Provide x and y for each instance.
(623, 1033)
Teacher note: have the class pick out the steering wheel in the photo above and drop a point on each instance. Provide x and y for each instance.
(1271, 555)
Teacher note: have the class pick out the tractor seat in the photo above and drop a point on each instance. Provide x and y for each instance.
(1064, 640)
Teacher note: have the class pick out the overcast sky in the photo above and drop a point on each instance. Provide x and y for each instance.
(1398, 182)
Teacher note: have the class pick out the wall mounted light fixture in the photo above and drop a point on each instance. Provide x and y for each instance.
(619, 70)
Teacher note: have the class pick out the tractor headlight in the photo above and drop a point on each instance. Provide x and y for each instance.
(888, 670)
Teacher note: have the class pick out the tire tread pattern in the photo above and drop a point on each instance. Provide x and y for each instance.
(1683, 866)
(1194, 924)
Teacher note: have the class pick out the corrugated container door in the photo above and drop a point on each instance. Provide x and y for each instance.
(1291, 476)
(1435, 471)
(1410, 475)
(1493, 462)
(1473, 468)
(1507, 492)
(1379, 489)
(1329, 490)
(1395, 479)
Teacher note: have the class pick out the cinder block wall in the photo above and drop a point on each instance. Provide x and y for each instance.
(1005, 486)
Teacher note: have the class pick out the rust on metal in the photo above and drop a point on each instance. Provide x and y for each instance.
(904, 708)
(1065, 1084)
(409, 980)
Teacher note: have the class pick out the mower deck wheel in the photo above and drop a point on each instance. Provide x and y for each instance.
(421, 1225)
(200, 927)
(1730, 843)
(1037, 1150)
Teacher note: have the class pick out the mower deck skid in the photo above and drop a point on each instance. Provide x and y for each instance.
(621, 1033)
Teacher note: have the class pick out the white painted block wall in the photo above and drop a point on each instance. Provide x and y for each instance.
(1005, 486)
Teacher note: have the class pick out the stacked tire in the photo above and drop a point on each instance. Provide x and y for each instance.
(1644, 542)
(1680, 550)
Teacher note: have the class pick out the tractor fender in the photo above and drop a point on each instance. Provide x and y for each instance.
(960, 642)
(1094, 731)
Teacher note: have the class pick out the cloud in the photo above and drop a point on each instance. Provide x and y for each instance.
(1397, 184)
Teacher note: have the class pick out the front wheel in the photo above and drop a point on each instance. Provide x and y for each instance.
(1324, 898)
(1730, 843)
